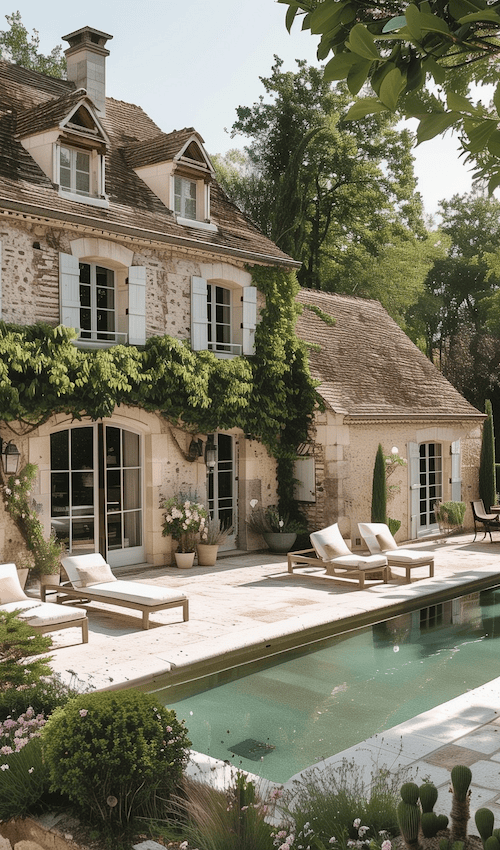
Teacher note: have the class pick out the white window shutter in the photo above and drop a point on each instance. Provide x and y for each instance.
(199, 320)
(69, 290)
(137, 305)
(249, 318)
(304, 472)
(414, 461)
(456, 481)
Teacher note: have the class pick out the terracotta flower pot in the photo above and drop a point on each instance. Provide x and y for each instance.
(184, 560)
(207, 554)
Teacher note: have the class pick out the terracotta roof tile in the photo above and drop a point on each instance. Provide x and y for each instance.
(367, 366)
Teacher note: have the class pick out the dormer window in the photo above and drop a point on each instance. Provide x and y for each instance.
(178, 170)
(74, 170)
(185, 197)
(67, 140)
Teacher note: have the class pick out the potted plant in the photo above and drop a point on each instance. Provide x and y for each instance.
(184, 520)
(450, 515)
(278, 530)
(213, 535)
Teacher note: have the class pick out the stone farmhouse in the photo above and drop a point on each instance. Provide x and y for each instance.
(114, 228)
(378, 387)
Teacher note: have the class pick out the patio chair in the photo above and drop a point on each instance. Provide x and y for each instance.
(90, 580)
(481, 518)
(331, 552)
(380, 541)
(42, 616)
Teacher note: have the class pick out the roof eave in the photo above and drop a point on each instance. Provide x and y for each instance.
(414, 417)
(140, 233)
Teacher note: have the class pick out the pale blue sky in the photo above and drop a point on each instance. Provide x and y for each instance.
(191, 63)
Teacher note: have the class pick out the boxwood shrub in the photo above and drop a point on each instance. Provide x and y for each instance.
(115, 753)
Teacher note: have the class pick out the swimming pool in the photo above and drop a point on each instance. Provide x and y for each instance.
(278, 716)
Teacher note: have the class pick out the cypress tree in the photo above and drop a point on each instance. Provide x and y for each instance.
(487, 485)
(379, 489)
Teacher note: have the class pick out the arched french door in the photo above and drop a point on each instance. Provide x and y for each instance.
(97, 491)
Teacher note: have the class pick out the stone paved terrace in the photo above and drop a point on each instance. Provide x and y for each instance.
(249, 603)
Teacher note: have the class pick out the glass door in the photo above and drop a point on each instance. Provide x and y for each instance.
(123, 496)
(221, 486)
(431, 484)
(96, 492)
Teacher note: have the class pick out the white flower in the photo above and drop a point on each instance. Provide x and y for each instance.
(4, 766)
(356, 823)
(254, 503)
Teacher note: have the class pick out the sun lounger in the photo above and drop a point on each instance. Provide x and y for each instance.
(379, 540)
(42, 616)
(331, 552)
(91, 580)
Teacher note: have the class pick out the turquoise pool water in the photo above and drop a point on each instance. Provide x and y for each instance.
(277, 717)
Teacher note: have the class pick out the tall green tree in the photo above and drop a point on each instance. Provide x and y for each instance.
(418, 58)
(328, 193)
(460, 301)
(487, 477)
(18, 46)
(379, 488)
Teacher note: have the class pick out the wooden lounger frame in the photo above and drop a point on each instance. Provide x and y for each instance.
(308, 557)
(67, 593)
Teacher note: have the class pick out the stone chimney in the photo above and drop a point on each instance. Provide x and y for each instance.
(86, 58)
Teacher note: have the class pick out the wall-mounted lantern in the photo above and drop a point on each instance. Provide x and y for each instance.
(10, 457)
(210, 453)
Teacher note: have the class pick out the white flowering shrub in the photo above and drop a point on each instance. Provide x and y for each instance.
(113, 753)
(184, 520)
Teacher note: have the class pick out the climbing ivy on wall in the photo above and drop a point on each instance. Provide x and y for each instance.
(270, 395)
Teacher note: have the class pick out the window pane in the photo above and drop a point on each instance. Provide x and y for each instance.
(113, 447)
(131, 489)
(132, 533)
(59, 494)
(115, 532)
(114, 490)
(83, 533)
(82, 448)
(82, 493)
(130, 449)
(59, 450)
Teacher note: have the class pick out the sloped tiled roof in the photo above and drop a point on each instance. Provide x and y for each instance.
(162, 148)
(133, 208)
(368, 367)
(49, 114)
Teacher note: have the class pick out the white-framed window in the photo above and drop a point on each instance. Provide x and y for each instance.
(185, 197)
(105, 303)
(219, 320)
(74, 171)
(97, 303)
(223, 318)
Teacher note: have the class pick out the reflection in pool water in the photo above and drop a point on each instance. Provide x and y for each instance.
(279, 718)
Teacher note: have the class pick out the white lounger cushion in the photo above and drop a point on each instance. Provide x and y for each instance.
(10, 588)
(379, 540)
(128, 591)
(330, 546)
(38, 613)
(134, 591)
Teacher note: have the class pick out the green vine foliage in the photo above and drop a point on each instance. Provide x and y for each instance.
(271, 395)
